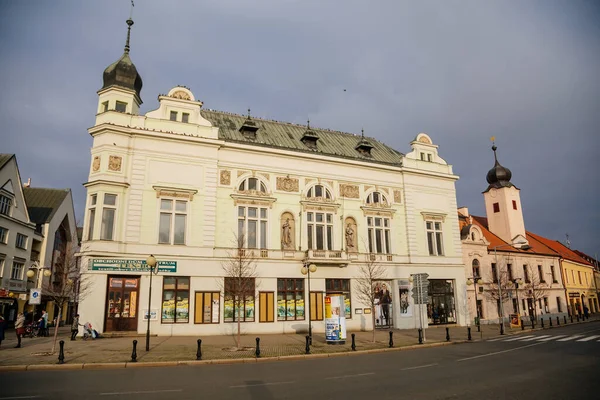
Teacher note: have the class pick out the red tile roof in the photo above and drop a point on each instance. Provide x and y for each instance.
(563, 250)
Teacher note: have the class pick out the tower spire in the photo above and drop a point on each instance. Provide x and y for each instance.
(129, 23)
(494, 148)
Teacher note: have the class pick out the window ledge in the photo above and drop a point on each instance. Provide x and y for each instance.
(433, 215)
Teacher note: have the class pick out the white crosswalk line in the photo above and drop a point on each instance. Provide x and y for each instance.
(588, 338)
(551, 338)
(518, 338)
(569, 338)
(535, 338)
(497, 339)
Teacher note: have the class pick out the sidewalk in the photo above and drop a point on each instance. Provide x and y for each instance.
(182, 348)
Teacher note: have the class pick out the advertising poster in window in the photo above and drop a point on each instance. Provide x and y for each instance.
(299, 308)
(250, 309)
(291, 309)
(335, 319)
(215, 311)
(168, 310)
(182, 309)
(406, 307)
(281, 309)
(228, 310)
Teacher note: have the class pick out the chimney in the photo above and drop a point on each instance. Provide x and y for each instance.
(464, 211)
(28, 184)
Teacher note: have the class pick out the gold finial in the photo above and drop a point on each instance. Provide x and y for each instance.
(493, 139)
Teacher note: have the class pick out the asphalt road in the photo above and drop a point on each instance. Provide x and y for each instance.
(560, 363)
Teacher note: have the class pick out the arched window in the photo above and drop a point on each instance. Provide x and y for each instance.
(473, 236)
(475, 265)
(252, 184)
(376, 198)
(319, 191)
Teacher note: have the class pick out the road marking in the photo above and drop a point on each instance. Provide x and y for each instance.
(420, 366)
(141, 392)
(19, 397)
(569, 338)
(350, 376)
(519, 338)
(536, 338)
(588, 338)
(551, 338)
(261, 384)
(499, 352)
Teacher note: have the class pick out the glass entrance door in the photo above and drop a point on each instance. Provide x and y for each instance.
(122, 303)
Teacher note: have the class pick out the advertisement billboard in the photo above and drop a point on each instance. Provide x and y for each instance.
(335, 319)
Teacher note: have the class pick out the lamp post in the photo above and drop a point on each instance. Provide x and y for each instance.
(524, 246)
(306, 270)
(152, 264)
(30, 274)
(476, 280)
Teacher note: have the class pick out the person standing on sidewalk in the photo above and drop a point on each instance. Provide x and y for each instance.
(19, 328)
(43, 324)
(2, 327)
(75, 327)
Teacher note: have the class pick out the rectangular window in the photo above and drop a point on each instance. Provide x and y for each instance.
(3, 235)
(290, 299)
(185, 117)
(320, 230)
(422, 156)
(553, 274)
(316, 306)
(176, 300)
(496, 207)
(540, 304)
(21, 241)
(514, 203)
(579, 276)
(479, 306)
(434, 238)
(379, 235)
(573, 276)
(524, 308)
(108, 217)
(172, 221)
(121, 106)
(558, 304)
(105, 106)
(208, 308)
(173, 116)
(494, 273)
(476, 272)
(5, 205)
(509, 272)
(266, 303)
(546, 305)
(526, 274)
(2, 263)
(92, 216)
(429, 158)
(239, 299)
(541, 274)
(340, 286)
(252, 226)
(514, 305)
(17, 270)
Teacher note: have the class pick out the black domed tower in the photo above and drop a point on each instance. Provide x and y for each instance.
(122, 84)
(503, 204)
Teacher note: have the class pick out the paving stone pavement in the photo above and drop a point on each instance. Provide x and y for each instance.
(35, 351)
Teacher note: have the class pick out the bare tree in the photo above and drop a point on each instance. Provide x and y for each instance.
(535, 286)
(498, 288)
(66, 284)
(369, 274)
(239, 286)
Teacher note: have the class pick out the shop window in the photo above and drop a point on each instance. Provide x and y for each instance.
(176, 300)
(266, 303)
(316, 306)
(172, 224)
(121, 106)
(3, 235)
(290, 299)
(340, 286)
(109, 210)
(16, 272)
(252, 226)
(441, 308)
(379, 235)
(434, 238)
(320, 230)
(239, 300)
(496, 207)
(91, 216)
(5, 205)
(208, 308)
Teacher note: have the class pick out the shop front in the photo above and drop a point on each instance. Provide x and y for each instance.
(441, 308)
(122, 301)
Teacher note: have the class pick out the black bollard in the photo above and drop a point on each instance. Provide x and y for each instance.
(199, 351)
(542, 321)
(532, 323)
(557, 321)
(571, 318)
(134, 352)
(61, 353)
(353, 343)
(420, 336)
(522, 325)
(447, 334)
(577, 315)
(565, 319)
(257, 347)
(469, 333)
(307, 348)
(550, 321)
(391, 339)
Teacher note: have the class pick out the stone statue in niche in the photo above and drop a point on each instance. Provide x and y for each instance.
(286, 234)
(350, 237)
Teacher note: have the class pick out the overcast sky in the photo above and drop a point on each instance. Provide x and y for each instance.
(526, 72)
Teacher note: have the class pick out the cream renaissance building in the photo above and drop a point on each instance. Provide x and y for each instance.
(184, 182)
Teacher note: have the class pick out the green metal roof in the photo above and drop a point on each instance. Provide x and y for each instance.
(42, 203)
(284, 135)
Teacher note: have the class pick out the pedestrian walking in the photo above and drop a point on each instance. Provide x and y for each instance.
(586, 312)
(43, 324)
(2, 328)
(19, 328)
(75, 327)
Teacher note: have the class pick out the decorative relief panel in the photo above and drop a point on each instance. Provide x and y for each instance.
(308, 181)
(368, 187)
(287, 184)
(349, 191)
(424, 139)
(241, 172)
(96, 164)
(180, 94)
(225, 177)
(114, 163)
(265, 175)
(397, 196)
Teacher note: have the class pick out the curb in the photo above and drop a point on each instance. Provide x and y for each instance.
(116, 365)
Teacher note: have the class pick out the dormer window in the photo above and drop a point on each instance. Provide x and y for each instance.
(252, 184)
(5, 205)
(364, 146)
(310, 138)
(249, 128)
(376, 198)
(429, 158)
(319, 191)
(185, 117)
(173, 116)
(105, 106)
(121, 106)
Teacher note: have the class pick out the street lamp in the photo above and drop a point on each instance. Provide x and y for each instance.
(476, 280)
(524, 246)
(152, 264)
(306, 270)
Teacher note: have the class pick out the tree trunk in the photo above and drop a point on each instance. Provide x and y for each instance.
(56, 329)
(239, 327)
(373, 320)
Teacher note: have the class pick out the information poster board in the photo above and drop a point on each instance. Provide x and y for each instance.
(515, 320)
(335, 319)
